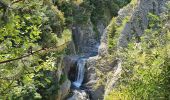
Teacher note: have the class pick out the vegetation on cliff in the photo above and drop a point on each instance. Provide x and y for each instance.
(145, 72)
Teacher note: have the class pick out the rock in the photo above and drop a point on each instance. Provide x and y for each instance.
(113, 77)
(103, 47)
(64, 90)
(103, 50)
(125, 11)
(59, 65)
(58, 74)
(91, 79)
(90, 74)
(138, 19)
(71, 48)
(79, 95)
(100, 28)
(69, 62)
(84, 37)
(70, 68)
(97, 94)
(125, 35)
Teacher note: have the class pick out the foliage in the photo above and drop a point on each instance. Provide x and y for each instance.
(101, 6)
(80, 11)
(67, 8)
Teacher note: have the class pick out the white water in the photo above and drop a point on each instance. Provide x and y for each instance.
(81, 70)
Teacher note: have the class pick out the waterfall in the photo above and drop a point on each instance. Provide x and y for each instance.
(81, 70)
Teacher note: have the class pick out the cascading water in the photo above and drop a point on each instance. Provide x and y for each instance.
(81, 70)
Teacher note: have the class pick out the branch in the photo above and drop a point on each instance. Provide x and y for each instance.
(16, 1)
(20, 57)
(3, 92)
(43, 49)
(4, 5)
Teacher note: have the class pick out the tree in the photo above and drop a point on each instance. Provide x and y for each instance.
(29, 46)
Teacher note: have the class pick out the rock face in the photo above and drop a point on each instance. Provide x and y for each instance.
(139, 19)
(112, 79)
(69, 66)
(64, 90)
(84, 38)
(64, 87)
(133, 28)
(95, 66)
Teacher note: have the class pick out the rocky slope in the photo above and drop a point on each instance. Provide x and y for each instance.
(134, 27)
(139, 19)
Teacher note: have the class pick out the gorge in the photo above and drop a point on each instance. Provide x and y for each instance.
(84, 49)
